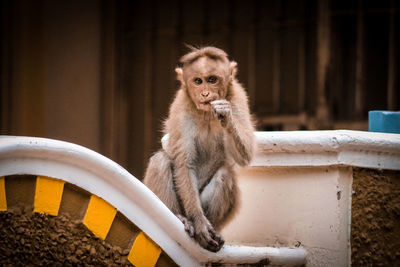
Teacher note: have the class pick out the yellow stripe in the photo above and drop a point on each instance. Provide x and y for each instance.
(144, 252)
(99, 216)
(48, 195)
(3, 200)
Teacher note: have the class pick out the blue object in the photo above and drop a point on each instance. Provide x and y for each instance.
(384, 121)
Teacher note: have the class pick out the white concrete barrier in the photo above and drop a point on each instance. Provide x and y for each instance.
(296, 195)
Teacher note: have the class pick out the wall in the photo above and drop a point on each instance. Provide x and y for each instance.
(307, 207)
(51, 70)
(71, 48)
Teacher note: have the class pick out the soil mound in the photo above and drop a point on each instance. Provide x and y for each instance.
(375, 227)
(31, 239)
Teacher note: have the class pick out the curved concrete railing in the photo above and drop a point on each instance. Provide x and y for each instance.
(101, 176)
(328, 148)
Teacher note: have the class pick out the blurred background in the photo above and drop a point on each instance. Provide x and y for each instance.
(101, 73)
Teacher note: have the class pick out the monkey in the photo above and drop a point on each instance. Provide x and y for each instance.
(210, 132)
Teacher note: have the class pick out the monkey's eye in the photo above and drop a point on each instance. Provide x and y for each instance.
(212, 79)
(198, 81)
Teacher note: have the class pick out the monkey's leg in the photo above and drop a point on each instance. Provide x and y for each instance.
(159, 177)
(219, 198)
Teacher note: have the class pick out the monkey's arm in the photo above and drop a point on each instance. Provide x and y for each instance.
(235, 118)
(185, 181)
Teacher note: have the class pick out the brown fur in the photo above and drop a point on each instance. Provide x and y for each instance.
(210, 131)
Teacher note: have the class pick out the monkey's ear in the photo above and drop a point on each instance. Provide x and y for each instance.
(179, 75)
(233, 68)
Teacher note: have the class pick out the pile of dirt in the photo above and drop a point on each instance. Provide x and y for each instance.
(31, 239)
(375, 227)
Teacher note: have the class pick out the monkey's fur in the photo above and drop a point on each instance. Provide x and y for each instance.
(210, 130)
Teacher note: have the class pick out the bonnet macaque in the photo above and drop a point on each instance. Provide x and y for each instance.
(210, 131)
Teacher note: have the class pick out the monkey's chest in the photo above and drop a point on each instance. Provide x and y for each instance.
(210, 156)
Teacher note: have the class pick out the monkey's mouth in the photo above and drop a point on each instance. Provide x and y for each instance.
(209, 100)
(205, 105)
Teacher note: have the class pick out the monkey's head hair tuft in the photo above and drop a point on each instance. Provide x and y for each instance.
(208, 51)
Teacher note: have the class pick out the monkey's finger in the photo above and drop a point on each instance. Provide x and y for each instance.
(218, 106)
(186, 226)
(206, 241)
(221, 108)
(224, 122)
(190, 230)
(214, 236)
(213, 245)
(219, 102)
(215, 102)
(212, 231)
(214, 111)
(217, 237)
(220, 241)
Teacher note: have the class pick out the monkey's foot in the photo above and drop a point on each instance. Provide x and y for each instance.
(209, 239)
(189, 227)
(205, 234)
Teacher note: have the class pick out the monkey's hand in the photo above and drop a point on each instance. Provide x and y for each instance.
(222, 110)
(207, 237)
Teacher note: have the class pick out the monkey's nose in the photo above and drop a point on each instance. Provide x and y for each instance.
(205, 94)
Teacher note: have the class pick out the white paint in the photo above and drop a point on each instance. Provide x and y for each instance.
(103, 177)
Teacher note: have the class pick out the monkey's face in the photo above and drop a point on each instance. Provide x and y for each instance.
(206, 80)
